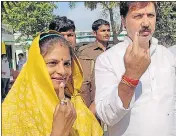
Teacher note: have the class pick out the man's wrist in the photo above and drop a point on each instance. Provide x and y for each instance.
(132, 76)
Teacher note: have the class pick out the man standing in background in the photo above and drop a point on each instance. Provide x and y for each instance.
(5, 75)
(87, 55)
(21, 61)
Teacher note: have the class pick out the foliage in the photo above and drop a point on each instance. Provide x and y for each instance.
(24, 46)
(9, 5)
(28, 17)
(166, 23)
(116, 17)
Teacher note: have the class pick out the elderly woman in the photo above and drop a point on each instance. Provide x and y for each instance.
(45, 100)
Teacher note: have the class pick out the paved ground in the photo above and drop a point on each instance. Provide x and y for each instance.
(105, 133)
(105, 130)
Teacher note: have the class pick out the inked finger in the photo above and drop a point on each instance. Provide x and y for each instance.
(136, 42)
(61, 91)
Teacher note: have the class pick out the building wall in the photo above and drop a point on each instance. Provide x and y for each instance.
(8, 39)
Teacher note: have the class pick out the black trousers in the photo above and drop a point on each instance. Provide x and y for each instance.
(5, 86)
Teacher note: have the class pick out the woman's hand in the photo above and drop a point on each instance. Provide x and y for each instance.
(64, 116)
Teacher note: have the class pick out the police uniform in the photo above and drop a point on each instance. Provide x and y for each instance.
(87, 56)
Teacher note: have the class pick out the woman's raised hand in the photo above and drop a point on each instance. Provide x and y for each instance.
(64, 115)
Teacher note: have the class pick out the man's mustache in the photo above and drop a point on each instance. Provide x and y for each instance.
(144, 29)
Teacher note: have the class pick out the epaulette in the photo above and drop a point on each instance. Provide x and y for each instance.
(85, 57)
(85, 47)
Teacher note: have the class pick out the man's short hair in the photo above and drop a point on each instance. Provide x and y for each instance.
(21, 54)
(3, 55)
(62, 24)
(126, 5)
(99, 22)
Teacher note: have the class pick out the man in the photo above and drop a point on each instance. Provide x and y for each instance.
(87, 55)
(135, 79)
(5, 75)
(66, 27)
(21, 61)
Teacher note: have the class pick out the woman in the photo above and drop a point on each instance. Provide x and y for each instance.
(52, 72)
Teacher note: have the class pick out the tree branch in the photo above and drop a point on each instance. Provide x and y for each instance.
(105, 5)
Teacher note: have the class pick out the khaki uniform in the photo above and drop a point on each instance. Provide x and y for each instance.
(87, 56)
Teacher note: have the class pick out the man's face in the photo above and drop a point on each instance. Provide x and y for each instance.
(70, 36)
(4, 58)
(103, 33)
(141, 20)
(20, 57)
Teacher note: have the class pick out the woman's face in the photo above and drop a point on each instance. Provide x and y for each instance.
(58, 62)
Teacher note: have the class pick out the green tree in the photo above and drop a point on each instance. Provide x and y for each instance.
(107, 7)
(7, 5)
(166, 23)
(28, 17)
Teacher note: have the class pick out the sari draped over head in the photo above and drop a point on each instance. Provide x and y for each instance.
(29, 106)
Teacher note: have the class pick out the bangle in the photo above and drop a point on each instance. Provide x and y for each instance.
(130, 82)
